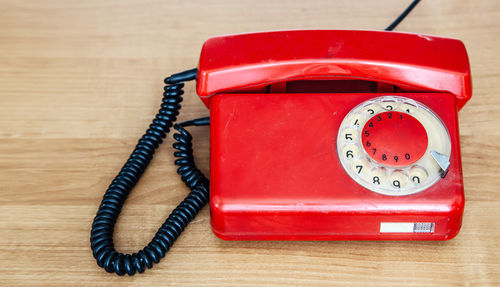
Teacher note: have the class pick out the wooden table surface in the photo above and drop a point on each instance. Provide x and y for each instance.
(80, 82)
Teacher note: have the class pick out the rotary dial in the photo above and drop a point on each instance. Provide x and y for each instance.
(394, 146)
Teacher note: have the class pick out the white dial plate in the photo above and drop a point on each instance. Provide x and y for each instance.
(386, 179)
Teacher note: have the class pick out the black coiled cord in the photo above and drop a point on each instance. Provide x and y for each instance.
(101, 238)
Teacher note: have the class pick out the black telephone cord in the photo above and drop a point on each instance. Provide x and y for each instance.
(101, 239)
(401, 16)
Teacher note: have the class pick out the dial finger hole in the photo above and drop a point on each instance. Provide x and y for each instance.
(351, 151)
(371, 109)
(350, 135)
(408, 108)
(378, 176)
(389, 105)
(356, 120)
(418, 175)
(398, 179)
(361, 167)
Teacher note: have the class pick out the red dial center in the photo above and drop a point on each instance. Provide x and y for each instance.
(394, 139)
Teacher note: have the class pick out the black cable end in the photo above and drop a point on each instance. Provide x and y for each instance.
(196, 122)
(181, 77)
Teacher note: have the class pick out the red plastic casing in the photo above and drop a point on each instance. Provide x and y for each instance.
(276, 102)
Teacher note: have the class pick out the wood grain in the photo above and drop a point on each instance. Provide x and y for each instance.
(79, 83)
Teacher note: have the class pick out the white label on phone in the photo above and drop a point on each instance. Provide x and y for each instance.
(407, 227)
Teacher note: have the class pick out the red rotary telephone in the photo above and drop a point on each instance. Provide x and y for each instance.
(314, 135)
(334, 134)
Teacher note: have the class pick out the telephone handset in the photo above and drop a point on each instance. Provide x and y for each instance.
(399, 61)
(314, 135)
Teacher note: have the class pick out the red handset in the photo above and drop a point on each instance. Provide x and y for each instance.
(332, 134)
